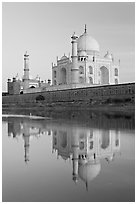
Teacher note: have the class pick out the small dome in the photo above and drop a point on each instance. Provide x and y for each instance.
(89, 171)
(87, 43)
(82, 54)
(63, 57)
(108, 56)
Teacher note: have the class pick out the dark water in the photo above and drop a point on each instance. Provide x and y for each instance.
(81, 159)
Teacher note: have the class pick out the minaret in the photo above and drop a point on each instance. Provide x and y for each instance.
(26, 66)
(26, 71)
(74, 70)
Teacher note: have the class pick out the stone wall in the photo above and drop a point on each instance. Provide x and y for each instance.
(99, 94)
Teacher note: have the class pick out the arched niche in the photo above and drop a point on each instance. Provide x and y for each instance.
(105, 139)
(63, 76)
(81, 70)
(116, 81)
(32, 87)
(104, 75)
(90, 69)
(116, 72)
(90, 80)
(63, 139)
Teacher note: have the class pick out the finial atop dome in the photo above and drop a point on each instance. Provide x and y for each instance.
(85, 28)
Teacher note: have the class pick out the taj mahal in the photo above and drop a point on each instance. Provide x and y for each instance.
(85, 68)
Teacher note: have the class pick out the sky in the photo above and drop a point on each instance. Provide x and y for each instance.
(45, 29)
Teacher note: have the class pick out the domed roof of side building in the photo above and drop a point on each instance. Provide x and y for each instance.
(63, 57)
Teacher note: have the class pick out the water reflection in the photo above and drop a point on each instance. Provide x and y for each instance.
(83, 145)
(86, 147)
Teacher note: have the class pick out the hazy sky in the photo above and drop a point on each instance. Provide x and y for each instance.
(45, 29)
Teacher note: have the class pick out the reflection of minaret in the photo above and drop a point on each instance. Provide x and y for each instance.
(26, 147)
(26, 137)
(75, 151)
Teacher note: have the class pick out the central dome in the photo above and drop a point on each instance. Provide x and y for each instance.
(87, 43)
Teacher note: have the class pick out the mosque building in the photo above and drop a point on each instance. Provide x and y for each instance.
(26, 83)
(85, 68)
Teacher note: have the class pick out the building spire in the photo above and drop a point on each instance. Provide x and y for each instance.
(85, 28)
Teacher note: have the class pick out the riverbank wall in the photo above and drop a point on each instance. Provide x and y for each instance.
(106, 97)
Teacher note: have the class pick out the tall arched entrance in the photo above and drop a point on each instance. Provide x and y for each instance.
(104, 75)
(63, 139)
(105, 139)
(63, 76)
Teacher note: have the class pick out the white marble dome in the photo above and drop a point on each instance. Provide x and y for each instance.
(87, 43)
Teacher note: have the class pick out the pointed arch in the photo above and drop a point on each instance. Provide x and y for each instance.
(90, 69)
(116, 81)
(81, 70)
(116, 72)
(63, 76)
(104, 75)
(90, 80)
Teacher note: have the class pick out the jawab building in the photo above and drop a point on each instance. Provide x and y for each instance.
(86, 67)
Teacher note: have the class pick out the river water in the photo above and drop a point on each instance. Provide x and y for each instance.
(71, 159)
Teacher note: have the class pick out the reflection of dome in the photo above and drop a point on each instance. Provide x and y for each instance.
(89, 171)
(87, 43)
(65, 157)
(108, 56)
